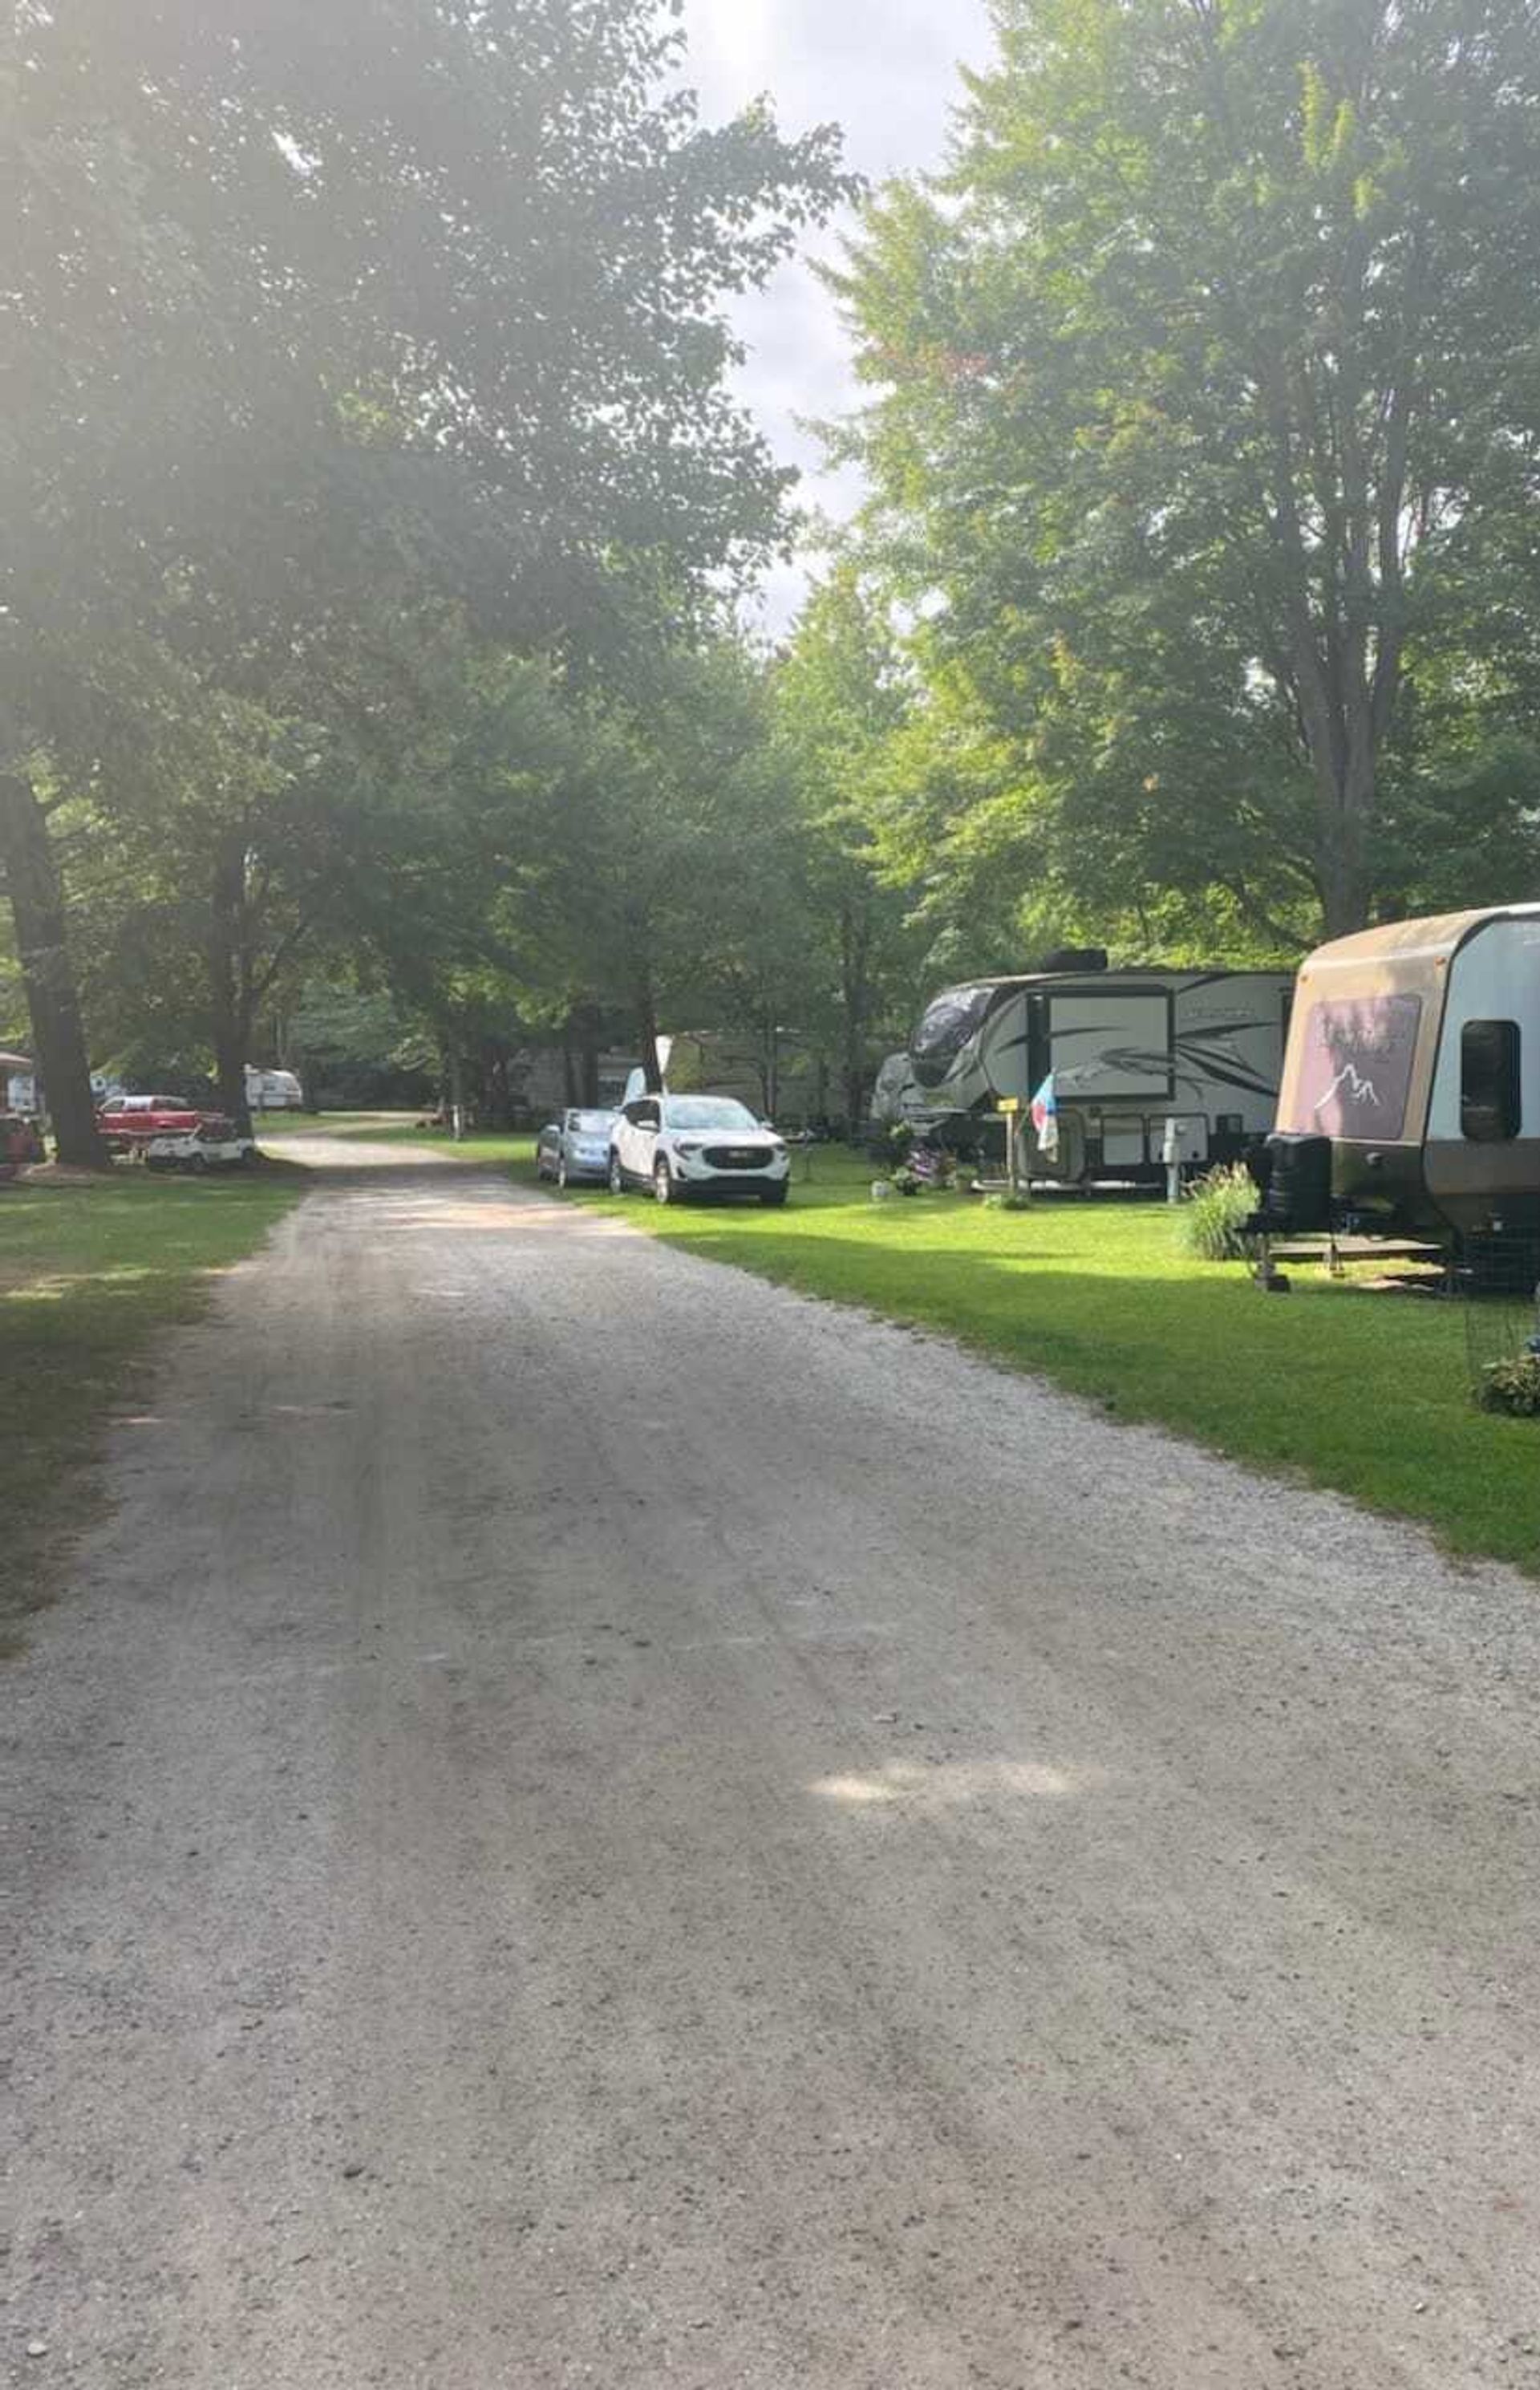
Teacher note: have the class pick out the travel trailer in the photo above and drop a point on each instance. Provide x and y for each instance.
(1129, 1051)
(1411, 1086)
(272, 1091)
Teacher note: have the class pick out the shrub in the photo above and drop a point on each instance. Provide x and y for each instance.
(1216, 1208)
(905, 1182)
(1010, 1200)
(1513, 1386)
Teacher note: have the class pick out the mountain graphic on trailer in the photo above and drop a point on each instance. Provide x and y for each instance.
(1348, 1083)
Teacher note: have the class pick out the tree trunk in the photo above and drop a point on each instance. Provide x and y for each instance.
(772, 1069)
(646, 1034)
(586, 1020)
(854, 949)
(499, 1091)
(1346, 802)
(58, 1036)
(231, 1004)
(1343, 705)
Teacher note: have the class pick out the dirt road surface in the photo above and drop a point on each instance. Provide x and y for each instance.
(584, 1820)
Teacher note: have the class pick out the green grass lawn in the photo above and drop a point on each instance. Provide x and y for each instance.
(87, 1274)
(395, 1127)
(392, 1128)
(1366, 1391)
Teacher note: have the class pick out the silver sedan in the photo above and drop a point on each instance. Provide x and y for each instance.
(574, 1149)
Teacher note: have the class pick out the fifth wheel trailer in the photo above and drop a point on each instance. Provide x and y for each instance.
(1129, 1050)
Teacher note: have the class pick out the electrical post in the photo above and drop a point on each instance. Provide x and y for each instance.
(1020, 1179)
(1171, 1154)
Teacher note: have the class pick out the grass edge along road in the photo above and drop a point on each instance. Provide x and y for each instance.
(1366, 1393)
(1363, 1391)
(90, 1272)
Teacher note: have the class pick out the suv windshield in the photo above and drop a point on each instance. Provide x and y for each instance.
(588, 1124)
(707, 1111)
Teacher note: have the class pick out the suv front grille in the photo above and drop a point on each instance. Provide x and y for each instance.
(739, 1157)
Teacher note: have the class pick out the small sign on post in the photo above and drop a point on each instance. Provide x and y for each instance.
(1020, 1183)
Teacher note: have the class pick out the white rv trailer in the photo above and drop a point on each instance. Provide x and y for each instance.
(1414, 1049)
(1129, 1051)
(274, 1091)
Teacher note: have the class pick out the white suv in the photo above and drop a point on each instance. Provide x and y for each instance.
(696, 1145)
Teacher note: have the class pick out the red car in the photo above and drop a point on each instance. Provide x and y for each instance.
(127, 1122)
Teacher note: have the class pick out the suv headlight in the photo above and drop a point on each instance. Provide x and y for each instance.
(688, 1145)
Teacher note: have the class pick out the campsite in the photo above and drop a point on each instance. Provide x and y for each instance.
(770, 1194)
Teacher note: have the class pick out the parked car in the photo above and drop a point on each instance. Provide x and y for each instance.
(214, 1144)
(167, 1134)
(128, 1121)
(682, 1146)
(575, 1147)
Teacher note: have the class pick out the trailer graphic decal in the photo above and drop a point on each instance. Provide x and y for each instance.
(1357, 1065)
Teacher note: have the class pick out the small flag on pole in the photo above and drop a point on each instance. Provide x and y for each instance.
(1045, 1119)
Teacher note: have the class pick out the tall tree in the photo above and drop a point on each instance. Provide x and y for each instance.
(32, 882)
(843, 696)
(295, 297)
(654, 861)
(1210, 353)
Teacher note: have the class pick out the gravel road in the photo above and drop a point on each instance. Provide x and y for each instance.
(585, 1821)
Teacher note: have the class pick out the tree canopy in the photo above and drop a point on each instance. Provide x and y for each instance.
(312, 322)
(1204, 386)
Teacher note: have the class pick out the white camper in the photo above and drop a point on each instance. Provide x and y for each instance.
(1129, 1052)
(272, 1091)
(1413, 1071)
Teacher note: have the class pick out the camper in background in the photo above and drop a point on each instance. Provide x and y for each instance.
(1411, 1087)
(274, 1091)
(1129, 1050)
(896, 1095)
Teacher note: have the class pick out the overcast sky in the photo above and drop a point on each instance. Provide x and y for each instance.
(884, 69)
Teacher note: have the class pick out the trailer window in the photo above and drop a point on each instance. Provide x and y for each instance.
(1489, 1081)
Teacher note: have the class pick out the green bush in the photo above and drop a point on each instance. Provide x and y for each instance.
(1216, 1207)
(1513, 1386)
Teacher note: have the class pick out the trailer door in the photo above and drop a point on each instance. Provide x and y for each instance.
(1111, 1043)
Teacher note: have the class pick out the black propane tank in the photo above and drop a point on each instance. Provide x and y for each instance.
(1298, 1202)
